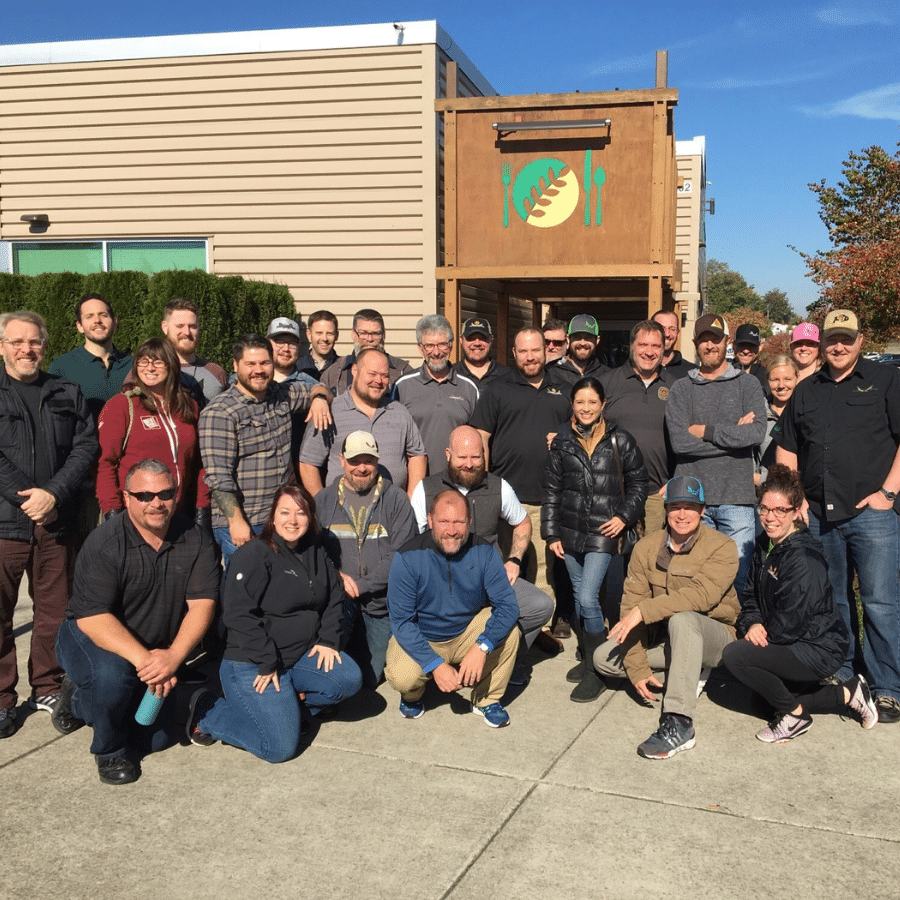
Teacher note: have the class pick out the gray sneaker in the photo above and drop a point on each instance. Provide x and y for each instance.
(861, 701)
(675, 733)
(888, 709)
(785, 728)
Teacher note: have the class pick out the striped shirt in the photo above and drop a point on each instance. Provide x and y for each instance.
(246, 445)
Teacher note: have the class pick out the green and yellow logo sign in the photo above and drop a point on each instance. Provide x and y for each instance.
(546, 192)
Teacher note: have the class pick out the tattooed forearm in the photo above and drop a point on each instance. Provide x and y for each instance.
(226, 502)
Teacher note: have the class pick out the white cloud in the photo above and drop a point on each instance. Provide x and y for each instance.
(857, 14)
(732, 83)
(878, 103)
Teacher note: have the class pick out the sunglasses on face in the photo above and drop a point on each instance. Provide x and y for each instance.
(147, 496)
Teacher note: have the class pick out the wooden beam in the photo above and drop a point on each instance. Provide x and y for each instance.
(591, 273)
(654, 296)
(563, 101)
(501, 342)
(453, 309)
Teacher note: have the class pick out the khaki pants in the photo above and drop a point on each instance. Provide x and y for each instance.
(654, 513)
(406, 677)
(694, 642)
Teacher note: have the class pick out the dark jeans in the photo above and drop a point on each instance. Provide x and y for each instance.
(767, 669)
(366, 640)
(107, 696)
(47, 560)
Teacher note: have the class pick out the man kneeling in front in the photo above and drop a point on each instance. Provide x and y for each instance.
(679, 609)
(146, 585)
(441, 626)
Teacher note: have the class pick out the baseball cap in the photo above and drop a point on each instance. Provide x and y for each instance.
(841, 321)
(805, 331)
(584, 324)
(711, 322)
(476, 325)
(359, 443)
(283, 325)
(684, 489)
(747, 334)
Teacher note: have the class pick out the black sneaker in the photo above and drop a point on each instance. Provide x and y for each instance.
(62, 717)
(675, 733)
(7, 722)
(202, 702)
(888, 709)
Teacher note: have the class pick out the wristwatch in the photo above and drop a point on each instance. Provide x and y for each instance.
(891, 495)
(483, 646)
(516, 560)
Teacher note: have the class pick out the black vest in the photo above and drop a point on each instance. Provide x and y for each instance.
(485, 500)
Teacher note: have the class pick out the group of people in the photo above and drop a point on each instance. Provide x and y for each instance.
(363, 519)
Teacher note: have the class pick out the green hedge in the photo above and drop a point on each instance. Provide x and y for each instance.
(229, 305)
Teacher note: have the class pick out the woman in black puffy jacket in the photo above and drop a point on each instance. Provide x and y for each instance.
(791, 626)
(595, 486)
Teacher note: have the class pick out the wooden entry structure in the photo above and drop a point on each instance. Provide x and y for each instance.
(559, 198)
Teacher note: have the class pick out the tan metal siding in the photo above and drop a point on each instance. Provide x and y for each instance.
(317, 169)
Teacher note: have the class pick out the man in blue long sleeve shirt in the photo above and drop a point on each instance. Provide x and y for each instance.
(453, 615)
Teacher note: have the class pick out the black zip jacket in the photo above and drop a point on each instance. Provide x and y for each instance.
(580, 494)
(278, 605)
(71, 444)
(789, 593)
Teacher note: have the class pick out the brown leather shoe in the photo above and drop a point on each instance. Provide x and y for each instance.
(562, 629)
(546, 643)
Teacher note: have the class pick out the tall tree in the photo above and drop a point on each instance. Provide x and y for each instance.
(727, 290)
(861, 271)
(775, 305)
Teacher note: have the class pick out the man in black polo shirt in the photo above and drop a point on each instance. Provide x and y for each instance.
(146, 585)
(746, 354)
(580, 360)
(636, 395)
(475, 345)
(673, 362)
(517, 418)
(841, 430)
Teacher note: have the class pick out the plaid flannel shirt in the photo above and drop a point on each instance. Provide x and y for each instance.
(246, 445)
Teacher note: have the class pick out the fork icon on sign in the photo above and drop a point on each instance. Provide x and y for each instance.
(506, 178)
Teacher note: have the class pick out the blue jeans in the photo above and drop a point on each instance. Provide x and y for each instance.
(367, 641)
(871, 541)
(739, 523)
(268, 724)
(587, 571)
(223, 539)
(107, 696)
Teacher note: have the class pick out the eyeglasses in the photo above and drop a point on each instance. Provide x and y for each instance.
(147, 496)
(431, 348)
(549, 342)
(285, 342)
(778, 511)
(368, 334)
(35, 344)
(146, 363)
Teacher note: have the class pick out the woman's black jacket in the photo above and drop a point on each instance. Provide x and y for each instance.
(278, 605)
(788, 592)
(580, 494)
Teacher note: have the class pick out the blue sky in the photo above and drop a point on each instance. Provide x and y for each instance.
(782, 91)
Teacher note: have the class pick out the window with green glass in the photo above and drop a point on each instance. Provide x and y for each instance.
(155, 256)
(33, 259)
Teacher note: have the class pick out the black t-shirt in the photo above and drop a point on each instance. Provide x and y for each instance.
(518, 418)
(30, 392)
(845, 434)
(118, 572)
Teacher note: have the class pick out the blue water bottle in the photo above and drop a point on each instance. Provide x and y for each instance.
(149, 709)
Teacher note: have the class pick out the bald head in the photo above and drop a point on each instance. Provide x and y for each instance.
(449, 520)
(465, 457)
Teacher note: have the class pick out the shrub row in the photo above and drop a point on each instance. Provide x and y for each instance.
(229, 305)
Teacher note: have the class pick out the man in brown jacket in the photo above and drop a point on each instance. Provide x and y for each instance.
(679, 610)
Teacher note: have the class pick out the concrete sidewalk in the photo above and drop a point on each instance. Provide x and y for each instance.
(558, 805)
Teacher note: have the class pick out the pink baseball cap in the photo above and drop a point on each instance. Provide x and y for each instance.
(805, 331)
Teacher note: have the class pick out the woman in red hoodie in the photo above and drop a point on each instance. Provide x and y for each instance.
(154, 419)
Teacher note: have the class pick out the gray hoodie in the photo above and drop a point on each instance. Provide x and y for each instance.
(723, 458)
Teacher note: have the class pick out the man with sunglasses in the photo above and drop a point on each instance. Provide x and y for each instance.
(145, 587)
(48, 442)
(841, 430)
